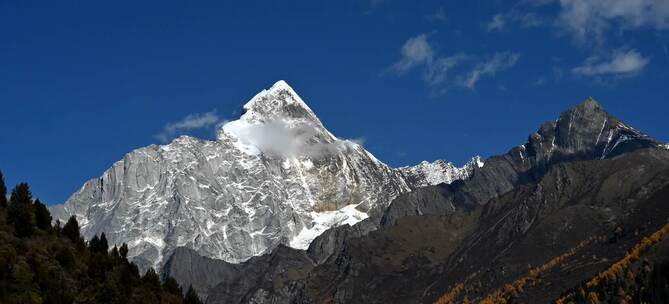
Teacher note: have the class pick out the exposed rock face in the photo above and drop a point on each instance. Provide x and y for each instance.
(274, 176)
(188, 267)
(584, 132)
(440, 171)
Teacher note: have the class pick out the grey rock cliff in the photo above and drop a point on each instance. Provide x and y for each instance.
(274, 176)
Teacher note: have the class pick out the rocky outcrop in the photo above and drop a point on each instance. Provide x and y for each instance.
(439, 172)
(189, 268)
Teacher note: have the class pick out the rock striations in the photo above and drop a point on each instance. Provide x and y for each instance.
(274, 176)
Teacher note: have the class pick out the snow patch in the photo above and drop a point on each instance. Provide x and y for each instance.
(325, 220)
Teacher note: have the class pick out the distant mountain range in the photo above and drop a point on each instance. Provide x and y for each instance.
(279, 210)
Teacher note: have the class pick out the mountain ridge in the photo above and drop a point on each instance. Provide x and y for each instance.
(274, 176)
(444, 222)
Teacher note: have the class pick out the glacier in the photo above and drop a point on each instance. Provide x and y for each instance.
(274, 176)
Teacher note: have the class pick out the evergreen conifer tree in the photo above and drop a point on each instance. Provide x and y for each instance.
(104, 245)
(42, 216)
(191, 296)
(3, 191)
(171, 286)
(123, 251)
(71, 229)
(20, 211)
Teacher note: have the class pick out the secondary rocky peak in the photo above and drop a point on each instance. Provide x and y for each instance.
(588, 104)
(584, 131)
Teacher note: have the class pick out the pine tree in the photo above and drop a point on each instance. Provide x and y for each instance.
(151, 280)
(171, 286)
(114, 254)
(191, 296)
(94, 244)
(71, 229)
(3, 191)
(123, 251)
(20, 211)
(104, 245)
(42, 216)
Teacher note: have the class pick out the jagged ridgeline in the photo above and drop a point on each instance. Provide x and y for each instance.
(565, 216)
(45, 263)
(529, 226)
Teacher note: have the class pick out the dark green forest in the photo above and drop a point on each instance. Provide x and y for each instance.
(41, 262)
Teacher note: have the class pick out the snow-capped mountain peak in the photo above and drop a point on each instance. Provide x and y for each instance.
(278, 102)
(274, 176)
(278, 122)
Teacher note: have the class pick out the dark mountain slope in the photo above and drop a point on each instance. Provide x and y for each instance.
(606, 205)
(610, 205)
(583, 132)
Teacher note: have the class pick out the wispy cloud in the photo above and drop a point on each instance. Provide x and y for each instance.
(500, 61)
(417, 52)
(190, 122)
(588, 21)
(621, 63)
(497, 23)
(436, 73)
(438, 16)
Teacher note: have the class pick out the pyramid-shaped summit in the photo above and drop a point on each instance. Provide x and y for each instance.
(274, 176)
(278, 102)
(585, 131)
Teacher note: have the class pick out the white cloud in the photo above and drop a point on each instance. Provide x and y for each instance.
(497, 23)
(415, 51)
(282, 138)
(437, 72)
(588, 21)
(190, 122)
(619, 63)
(500, 61)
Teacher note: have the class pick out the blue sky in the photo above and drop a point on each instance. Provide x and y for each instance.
(84, 82)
